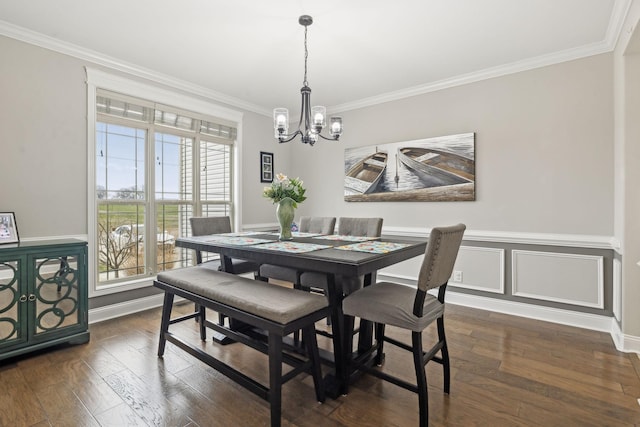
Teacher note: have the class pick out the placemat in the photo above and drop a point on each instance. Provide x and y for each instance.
(292, 247)
(239, 241)
(349, 238)
(373, 247)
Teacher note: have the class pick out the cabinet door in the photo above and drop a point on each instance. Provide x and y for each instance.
(58, 294)
(13, 307)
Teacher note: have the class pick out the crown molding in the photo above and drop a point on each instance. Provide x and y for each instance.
(22, 34)
(476, 76)
(618, 15)
(616, 23)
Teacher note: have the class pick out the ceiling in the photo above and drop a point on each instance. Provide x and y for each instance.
(250, 54)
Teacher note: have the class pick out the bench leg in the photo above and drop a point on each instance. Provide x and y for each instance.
(310, 341)
(203, 317)
(275, 378)
(164, 323)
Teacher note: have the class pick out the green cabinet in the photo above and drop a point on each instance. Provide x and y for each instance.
(43, 295)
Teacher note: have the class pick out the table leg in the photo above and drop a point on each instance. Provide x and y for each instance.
(335, 385)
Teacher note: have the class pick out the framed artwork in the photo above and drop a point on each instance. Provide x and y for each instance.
(8, 228)
(266, 167)
(440, 169)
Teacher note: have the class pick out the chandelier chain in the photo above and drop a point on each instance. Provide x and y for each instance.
(306, 55)
(312, 119)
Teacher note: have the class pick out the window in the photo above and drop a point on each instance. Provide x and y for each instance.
(152, 167)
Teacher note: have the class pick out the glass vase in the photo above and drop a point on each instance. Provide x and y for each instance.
(285, 213)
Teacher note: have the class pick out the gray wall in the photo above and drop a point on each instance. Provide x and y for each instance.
(544, 152)
(43, 135)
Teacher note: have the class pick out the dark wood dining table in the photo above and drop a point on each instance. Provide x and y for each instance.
(327, 260)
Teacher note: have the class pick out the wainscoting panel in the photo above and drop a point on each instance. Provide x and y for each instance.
(481, 269)
(561, 277)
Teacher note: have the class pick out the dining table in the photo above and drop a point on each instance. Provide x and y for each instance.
(335, 256)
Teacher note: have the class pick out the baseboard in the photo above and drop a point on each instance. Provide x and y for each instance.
(113, 311)
(548, 314)
(623, 342)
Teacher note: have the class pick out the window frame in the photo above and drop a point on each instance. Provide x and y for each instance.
(97, 79)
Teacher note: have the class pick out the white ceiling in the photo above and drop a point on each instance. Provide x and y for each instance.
(249, 53)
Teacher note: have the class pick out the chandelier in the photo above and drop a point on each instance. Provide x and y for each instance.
(313, 118)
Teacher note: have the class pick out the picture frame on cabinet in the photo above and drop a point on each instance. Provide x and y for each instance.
(8, 228)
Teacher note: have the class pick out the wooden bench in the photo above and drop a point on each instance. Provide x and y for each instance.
(277, 310)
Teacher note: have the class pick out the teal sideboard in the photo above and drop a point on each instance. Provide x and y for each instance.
(43, 295)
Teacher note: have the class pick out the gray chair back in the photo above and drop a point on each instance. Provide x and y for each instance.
(201, 226)
(368, 227)
(317, 224)
(440, 256)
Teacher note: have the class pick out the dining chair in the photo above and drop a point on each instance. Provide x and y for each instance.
(362, 227)
(387, 303)
(321, 225)
(201, 226)
(318, 282)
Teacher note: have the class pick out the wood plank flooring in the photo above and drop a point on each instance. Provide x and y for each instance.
(506, 371)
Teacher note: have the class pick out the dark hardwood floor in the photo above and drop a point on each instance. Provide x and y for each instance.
(506, 371)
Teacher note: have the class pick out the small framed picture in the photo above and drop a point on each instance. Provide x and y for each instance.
(266, 167)
(8, 228)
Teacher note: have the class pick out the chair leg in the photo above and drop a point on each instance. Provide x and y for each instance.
(311, 343)
(275, 378)
(445, 355)
(379, 343)
(164, 323)
(421, 378)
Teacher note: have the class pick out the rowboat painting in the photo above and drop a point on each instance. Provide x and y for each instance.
(448, 168)
(364, 176)
(425, 170)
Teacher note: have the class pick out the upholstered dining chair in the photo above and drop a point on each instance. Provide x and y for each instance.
(318, 282)
(322, 225)
(387, 303)
(201, 226)
(364, 227)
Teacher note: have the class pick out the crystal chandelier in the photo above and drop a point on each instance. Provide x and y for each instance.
(313, 118)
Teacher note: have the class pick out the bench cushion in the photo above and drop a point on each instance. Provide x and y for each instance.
(281, 305)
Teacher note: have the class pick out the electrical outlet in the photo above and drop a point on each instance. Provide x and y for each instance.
(457, 276)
